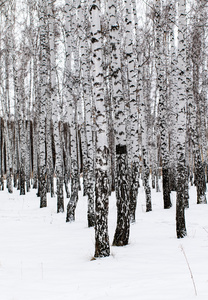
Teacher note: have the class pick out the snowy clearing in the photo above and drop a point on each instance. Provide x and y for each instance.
(44, 258)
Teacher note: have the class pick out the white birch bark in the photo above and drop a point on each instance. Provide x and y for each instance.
(144, 94)
(172, 94)
(181, 121)
(133, 114)
(16, 121)
(42, 103)
(20, 114)
(33, 36)
(162, 90)
(7, 89)
(202, 19)
(195, 113)
(35, 123)
(85, 78)
(55, 112)
(121, 236)
(102, 247)
(51, 71)
(72, 113)
(28, 156)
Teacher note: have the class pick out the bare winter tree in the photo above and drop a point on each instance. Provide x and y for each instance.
(108, 95)
(121, 236)
(42, 102)
(133, 112)
(181, 121)
(72, 108)
(196, 113)
(102, 247)
(162, 90)
(88, 120)
(55, 112)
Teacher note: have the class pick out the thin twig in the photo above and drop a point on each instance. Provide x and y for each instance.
(192, 277)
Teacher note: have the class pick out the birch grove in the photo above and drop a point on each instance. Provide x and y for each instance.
(104, 97)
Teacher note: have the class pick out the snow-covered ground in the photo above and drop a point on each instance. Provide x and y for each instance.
(44, 258)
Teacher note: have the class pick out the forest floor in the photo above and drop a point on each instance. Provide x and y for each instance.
(44, 258)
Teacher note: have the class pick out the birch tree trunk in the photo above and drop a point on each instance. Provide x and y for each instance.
(72, 113)
(55, 113)
(172, 95)
(102, 247)
(181, 121)
(6, 95)
(133, 116)
(85, 73)
(35, 125)
(35, 91)
(145, 119)
(42, 107)
(202, 11)
(200, 180)
(161, 81)
(21, 113)
(16, 170)
(121, 236)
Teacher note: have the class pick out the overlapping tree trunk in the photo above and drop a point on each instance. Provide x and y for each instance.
(85, 76)
(121, 236)
(161, 82)
(72, 115)
(55, 114)
(195, 113)
(133, 114)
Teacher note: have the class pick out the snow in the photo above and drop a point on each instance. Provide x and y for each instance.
(44, 258)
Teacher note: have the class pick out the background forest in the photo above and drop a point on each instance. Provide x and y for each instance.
(114, 92)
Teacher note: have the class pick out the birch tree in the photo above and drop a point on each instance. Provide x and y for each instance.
(172, 93)
(55, 112)
(85, 78)
(181, 121)
(144, 95)
(72, 111)
(42, 103)
(133, 114)
(102, 247)
(162, 90)
(198, 126)
(121, 236)
(33, 44)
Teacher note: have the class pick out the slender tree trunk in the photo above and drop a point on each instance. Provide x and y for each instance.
(72, 113)
(145, 115)
(161, 79)
(172, 96)
(121, 236)
(55, 114)
(42, 101)
(102, 247)
(195, 108)
(181, 122)
(133, 114)
(85, 69)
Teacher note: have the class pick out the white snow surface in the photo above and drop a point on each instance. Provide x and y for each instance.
(44, 258)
